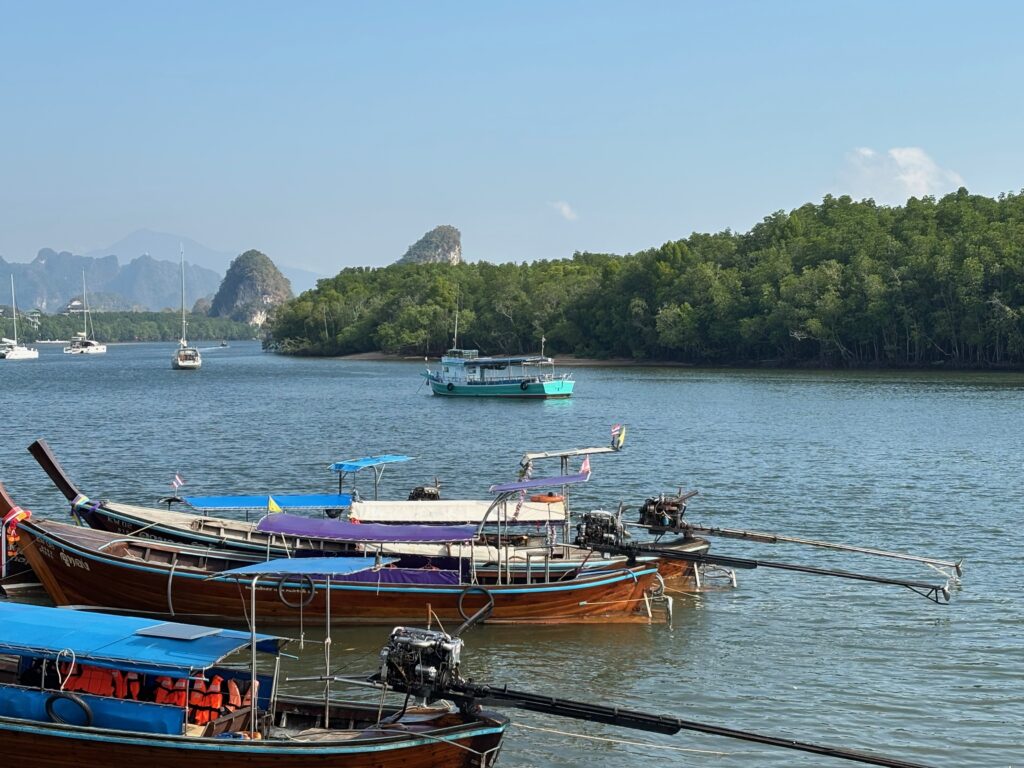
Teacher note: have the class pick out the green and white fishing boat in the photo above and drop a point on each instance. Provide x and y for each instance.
(464, 373)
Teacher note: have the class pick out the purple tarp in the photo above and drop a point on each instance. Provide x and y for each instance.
(376, 533)
(404, 576)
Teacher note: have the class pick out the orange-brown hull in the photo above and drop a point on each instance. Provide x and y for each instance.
(75, 571)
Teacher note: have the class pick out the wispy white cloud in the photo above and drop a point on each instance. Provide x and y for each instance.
(892, 176)
(564, 210)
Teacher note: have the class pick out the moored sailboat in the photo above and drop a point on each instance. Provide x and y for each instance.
(10, 349)
(186, 358)
(81, 344)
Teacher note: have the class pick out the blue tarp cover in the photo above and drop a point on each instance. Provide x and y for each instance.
(354, 465)
(285, 501)
(311, 566)
(110, 640)
(371, 533)
(540, 482)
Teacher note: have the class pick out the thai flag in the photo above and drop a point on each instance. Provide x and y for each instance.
(177, 482)
(585, 466)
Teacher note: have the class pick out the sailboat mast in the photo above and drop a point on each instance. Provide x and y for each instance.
(14, 311)
(85, 308)
(182, 248)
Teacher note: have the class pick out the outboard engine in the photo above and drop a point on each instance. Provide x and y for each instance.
(421, 662)
(599, 528)
(665, 512)
(426, 492)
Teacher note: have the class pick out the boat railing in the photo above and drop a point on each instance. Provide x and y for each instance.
(535, 377)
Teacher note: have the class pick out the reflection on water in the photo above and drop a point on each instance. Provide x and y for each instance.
(918, 462)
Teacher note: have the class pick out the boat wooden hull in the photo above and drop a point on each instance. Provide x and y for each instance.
(51, 745)
(75, 570)
(194, 531)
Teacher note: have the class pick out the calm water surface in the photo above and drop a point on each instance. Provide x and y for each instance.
(926, 463)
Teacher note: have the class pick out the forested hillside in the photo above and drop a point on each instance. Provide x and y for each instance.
(251, 289)
(124, 326)
(841, 283)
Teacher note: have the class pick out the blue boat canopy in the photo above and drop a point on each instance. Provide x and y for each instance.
(371, 533)
(354, 465)
(540, 482)
(284, 501)
(129, 643)
(311, 566)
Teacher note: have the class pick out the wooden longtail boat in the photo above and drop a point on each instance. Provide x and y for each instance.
(519, 557)
(82, 566)
(45, 724)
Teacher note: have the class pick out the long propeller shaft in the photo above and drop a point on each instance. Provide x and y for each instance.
(938, 593)
(626, 718)
(775, 538)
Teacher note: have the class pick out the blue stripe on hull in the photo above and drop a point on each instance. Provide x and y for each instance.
(546, 389)
(219, 747)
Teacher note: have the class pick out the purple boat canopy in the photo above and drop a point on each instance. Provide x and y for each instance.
(365, 533)
(540, 482)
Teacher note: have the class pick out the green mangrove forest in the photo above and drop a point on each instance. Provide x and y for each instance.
(128, 326)
(841, 283)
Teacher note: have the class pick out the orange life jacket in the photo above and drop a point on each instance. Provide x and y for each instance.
(120, 684)
(196, 702)
(235, 699)
(213, 700)
(164, 690)
(99, 681)
(179, 695)
(132, 685)
(234, 696)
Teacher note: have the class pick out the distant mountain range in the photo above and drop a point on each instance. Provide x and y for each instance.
(141, 271)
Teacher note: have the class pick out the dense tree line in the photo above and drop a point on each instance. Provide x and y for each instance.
(126, 326)
(839, 283)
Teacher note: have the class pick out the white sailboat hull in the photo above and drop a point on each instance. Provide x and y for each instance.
(91, 348)
(19, 353)
(186, 359)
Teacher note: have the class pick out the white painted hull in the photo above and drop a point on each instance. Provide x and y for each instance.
(19, 353)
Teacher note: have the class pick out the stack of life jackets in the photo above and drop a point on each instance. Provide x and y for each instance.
(206, 700)
(100, 681)
(171, 691)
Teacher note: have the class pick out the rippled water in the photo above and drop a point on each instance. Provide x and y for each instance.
(921, 462)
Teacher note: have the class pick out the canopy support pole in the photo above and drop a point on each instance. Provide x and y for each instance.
(253, 690)
(327, 658)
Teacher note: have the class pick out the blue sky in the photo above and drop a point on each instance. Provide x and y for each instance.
(336, 134)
